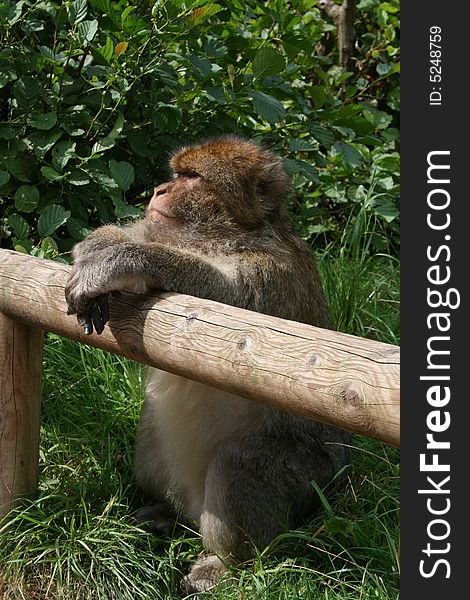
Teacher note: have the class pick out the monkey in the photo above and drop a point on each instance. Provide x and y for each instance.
(243, 471)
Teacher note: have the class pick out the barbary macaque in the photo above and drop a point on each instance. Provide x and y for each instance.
(218, 230)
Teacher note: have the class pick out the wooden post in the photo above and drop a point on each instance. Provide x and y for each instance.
(20, 387)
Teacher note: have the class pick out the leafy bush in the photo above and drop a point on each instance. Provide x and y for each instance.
(95, 95)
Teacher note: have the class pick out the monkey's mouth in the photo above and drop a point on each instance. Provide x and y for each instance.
(161, 214)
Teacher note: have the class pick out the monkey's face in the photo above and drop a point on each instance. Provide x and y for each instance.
(225, 179)
(171, 202)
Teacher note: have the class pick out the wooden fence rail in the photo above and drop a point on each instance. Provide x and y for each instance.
(332, 377)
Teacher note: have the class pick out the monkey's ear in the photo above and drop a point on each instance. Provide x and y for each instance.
(273, 185)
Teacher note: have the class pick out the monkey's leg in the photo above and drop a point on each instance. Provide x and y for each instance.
(256, 488)
(151, 474)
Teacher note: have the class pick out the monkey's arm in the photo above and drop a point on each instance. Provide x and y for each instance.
(108, 260)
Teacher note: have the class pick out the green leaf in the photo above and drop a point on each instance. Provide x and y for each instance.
(300, 145)
(103, 6)
(267, 62)
(388, 162)
(104, 54)
(167, 117)
(302, 167)
(49, 248)
(7, 132)
(50, 54)
(385, 207)
(167, 75)
(78, 177)
(393, 98)
(27, 91)
(378, 118)
(108, 49)
(354, 126)
(22, 249)
(268, 107)
(204, 12)
(21, 167)
(134, 25)
(138, 143)
(110, 140)
(87, 31)
(318, 95)
(51, 174)
(367, 5)
(4, 177)
(12, 11)
(324, 136)
(42, 121)
(383, 68)
(123, 210)
(51, 219)
(26, 198)
(123, 174)
(215, 93)
(350, 155)
(76, 120)
(105, 181)
(62, 153)
(19, 225)
(78, 229)
(386, 183)
(7, 75)
(76, 11)
(215, 48)
(202, 65)
(126, 12)
(43, 141)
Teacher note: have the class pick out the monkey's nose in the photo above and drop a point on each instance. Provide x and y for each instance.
(160, 190)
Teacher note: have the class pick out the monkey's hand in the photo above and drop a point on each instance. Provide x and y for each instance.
(87, 299)
(90, 281)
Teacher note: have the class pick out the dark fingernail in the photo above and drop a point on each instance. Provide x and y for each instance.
(105, 313)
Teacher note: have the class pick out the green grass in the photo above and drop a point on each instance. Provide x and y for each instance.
(363, 296)
(78, 541)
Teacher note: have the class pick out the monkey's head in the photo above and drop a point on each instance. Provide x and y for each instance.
(226, 179)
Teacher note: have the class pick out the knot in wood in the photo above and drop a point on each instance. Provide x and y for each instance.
(352, 397)
(312, 360)
(191, 318)
(241, 344)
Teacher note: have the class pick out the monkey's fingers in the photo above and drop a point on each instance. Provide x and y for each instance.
(85, 308)
(93, 314)
(100, 313)
(85, 320)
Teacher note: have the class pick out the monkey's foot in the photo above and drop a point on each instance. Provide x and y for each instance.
(204, 575)
(158, 518)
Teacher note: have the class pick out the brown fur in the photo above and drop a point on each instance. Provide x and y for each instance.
(218, 230)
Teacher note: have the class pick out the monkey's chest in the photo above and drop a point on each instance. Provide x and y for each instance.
(191, 421)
